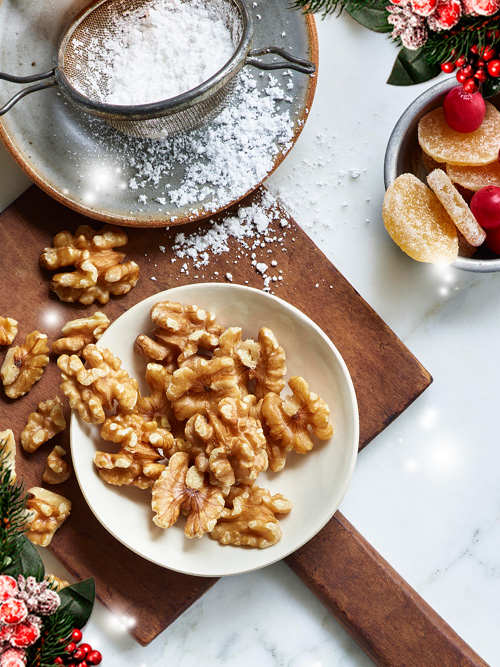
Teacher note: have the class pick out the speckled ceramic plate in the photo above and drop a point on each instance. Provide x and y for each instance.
(80, 161)
(315, 483)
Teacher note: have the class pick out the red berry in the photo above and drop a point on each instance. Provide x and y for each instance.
(25, 634)
(470, 86)
(467, 70)
(464, 112)
(13, 611)
(79, 654)
(494, 67)
(474, 49)
(13, 657)
(83, 663)
(460, 61)
(461, 78)
(8, 587)
(480, 75)
(76, 636)
(70, 647)
(481, 63)
(448, 67)
(488, 53)
(58, 660)
(85, 647)
(94, 658)
(485, 206)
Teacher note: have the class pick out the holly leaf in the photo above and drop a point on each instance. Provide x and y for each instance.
(411, 67)
(371, 17)
(78, 600)
(490, 87)
(27, 561)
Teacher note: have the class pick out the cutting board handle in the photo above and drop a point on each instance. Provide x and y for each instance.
(386, 617)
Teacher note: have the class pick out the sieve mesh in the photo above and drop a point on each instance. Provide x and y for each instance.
(100, 25)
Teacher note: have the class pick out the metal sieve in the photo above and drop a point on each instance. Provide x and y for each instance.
(76, 78)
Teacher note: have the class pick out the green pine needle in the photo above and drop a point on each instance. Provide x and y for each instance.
(56, 634)
(331, 6)
(447, 46)
(12, 512)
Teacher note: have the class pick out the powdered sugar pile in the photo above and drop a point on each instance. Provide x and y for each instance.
(149, 56)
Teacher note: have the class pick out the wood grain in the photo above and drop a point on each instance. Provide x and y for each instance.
(387, 618)
(386, 376)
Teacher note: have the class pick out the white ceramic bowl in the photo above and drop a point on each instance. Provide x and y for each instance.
(314, 483)
(404, 155)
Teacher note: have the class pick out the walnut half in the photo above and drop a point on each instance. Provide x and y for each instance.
(8, 330)
(44, 424)
(24, 364)
(81, 332)
(8, 450)
(57, 470)
(48, 511)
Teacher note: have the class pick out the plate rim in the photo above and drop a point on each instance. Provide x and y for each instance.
(127, 220)
(75, 419)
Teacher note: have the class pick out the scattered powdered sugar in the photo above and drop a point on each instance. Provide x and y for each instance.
(145, 57)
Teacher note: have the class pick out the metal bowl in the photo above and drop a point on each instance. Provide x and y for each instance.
(404, 155)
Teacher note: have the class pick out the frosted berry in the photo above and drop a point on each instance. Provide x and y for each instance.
(13, 657)
(76, 635)
(494, 67)
(94, 658)
(13, 611)
(8, 587)
(25, 634)
(6, 632)
(485, 206)
(423, 7)
(464, 112)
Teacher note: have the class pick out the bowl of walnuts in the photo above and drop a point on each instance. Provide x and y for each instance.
(212, 411)
(442, 176)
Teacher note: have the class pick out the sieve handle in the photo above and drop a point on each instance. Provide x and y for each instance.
(291, 62)
(41, 78)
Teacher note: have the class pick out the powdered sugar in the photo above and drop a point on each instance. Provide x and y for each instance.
(146, 56)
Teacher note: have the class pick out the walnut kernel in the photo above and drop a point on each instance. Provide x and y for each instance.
(81, 332)
(57, 471)
(44, 424)
(24, 364)
(48, 511)
(8, 450)
(8, 330)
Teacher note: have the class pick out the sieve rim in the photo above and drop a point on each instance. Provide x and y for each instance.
(162, 107)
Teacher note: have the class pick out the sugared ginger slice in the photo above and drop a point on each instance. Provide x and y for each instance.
(474, 178)
(456, 207)
(418, 223)
(443, 144)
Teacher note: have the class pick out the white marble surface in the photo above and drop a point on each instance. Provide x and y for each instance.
(425, 493)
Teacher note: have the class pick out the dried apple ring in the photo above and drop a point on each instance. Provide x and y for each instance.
(418, 223)
(474, 178)
(443, 144)
(456, 207)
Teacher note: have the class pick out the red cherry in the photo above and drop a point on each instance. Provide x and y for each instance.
(474, 49)
(470, 86)
(467, 70)
(70, 647)
(460, 61)
(485, 206)
(481, 63)
(13, 611)
(76, 636)
(58, 660)
(83, 663)
(94, 658)
(494, 67)
(461, 78)
(464, 112)
(79, 655)
(493, 240)
(8, 587)
(480, 75)
(448, 67)
(85, 647)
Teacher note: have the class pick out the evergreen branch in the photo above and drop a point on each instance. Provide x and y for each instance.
(447, 46)
(56, 634)
(331, 6)
(12, 512)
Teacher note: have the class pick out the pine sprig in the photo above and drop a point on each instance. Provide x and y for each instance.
(331, 6)
(55, 637)
(12, 512)
(472, 30)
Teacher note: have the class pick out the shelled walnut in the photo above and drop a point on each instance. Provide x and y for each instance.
(98, 268)
(94, 388)
(8, 450)
(47, 513)
(289, 419)
(249, 518)
(24, 364)
(56, 583)
(8, 330)
(44, 424)
(155, 407)
(57, 470)
(181, 487)
(81, 332)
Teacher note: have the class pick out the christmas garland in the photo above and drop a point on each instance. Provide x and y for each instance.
(461, 36)
(39, 626)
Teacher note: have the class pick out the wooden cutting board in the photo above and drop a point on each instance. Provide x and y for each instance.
(386, 376)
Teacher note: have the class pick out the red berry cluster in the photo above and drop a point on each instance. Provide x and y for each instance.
(82, 655)
(474, 69)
